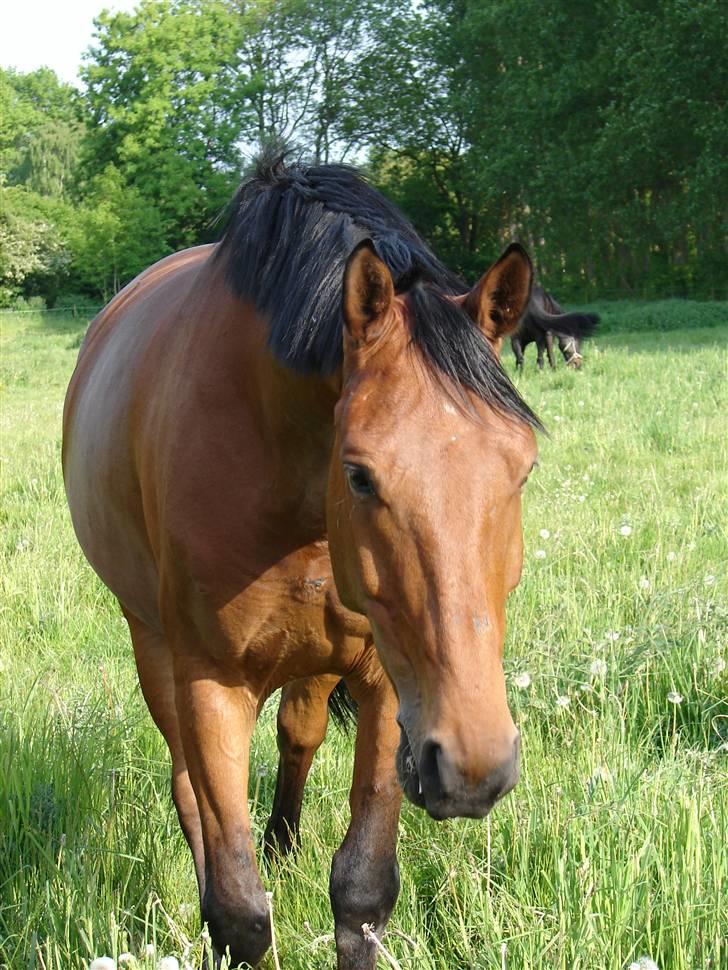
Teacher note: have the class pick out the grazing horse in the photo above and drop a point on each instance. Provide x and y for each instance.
(294, 458)
(543, 320)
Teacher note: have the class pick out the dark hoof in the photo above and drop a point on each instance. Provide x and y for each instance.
(240, 926)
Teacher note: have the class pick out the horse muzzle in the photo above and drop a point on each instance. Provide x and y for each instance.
(435, 782)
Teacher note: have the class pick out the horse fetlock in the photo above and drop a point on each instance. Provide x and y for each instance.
(354, 951)
(240, 924)
(362, 891)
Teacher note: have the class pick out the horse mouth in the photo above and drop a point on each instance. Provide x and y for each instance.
(407, 773)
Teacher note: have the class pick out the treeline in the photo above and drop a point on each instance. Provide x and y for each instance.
(595, 131)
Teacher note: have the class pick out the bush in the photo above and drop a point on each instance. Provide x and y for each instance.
(658, 315)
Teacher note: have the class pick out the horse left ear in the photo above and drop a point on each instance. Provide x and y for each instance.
(499, 298)
(368, 292)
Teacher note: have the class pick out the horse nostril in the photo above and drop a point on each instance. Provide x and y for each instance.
(430, 774)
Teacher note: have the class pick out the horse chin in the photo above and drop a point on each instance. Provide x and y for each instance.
(407, 774)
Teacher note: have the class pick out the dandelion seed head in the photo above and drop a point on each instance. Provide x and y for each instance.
(644, 582)
(126, 960)
(102, 963)
(598, 668)
(719, 665)
(671, 556)
(149, 950)
(168, 963)
(675, 697)
(540, 554)
(626, 530)
(612, 636)
(544, 533)
(709, 580)
(563, 701)
(522, 681)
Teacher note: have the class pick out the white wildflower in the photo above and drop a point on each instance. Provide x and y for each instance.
(598, 668)
(644, 582)
(675, 697)
(644, 963)
(581, 498)
(168, 963)
(626, 530)
(102, 963)
(540, 554)
(522, 681)
(612, 635)
(563, 700)
(22, 545)
(544, 533)
(709, 580)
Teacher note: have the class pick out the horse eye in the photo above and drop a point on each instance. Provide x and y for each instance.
(359, 479)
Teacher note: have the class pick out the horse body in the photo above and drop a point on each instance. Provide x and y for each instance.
(206, 478)
(543, 320)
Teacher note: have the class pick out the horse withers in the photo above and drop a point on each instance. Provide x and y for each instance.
(543, 320)
(294, 458)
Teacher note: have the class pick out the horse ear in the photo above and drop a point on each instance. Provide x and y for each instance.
(368, 291)
(499, 298)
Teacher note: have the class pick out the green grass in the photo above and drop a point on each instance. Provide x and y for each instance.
(615, 843)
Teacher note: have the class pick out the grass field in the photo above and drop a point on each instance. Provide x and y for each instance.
(614, 846)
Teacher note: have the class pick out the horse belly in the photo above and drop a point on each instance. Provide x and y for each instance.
(104, 494)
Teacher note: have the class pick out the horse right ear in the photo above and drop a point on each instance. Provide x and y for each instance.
(368, 292)
(498, 300)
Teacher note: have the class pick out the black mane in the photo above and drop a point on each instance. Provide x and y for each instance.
(289, 235)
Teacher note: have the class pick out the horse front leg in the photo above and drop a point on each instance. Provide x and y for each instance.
(550, 349)
(540, 347)
(517, 349)
(364, 881)
(303, 716)
(216, 716)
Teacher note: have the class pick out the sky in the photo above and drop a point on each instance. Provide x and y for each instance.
(50, 33)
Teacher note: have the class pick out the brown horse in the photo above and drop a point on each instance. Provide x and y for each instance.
(317, 375)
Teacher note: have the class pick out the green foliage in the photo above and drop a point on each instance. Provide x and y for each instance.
(35, 256)
(162, 98)
(596, 132)
(117, 234)
(40, 131)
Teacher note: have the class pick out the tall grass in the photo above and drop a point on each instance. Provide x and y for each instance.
(615, 843)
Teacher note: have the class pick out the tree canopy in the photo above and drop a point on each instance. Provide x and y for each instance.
(596, 132)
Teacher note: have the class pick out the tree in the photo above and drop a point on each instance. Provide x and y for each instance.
(40, 131)
(35, 257)
(117, 234)
(161, 95)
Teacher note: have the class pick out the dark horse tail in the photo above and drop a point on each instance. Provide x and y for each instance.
(546, 314)
(342, 706)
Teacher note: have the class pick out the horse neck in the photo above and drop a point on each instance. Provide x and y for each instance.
(297, 421)
(287, 418)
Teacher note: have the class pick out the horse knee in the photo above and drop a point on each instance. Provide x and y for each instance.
(240, 925)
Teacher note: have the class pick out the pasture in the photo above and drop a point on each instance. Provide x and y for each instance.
(613, 846)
